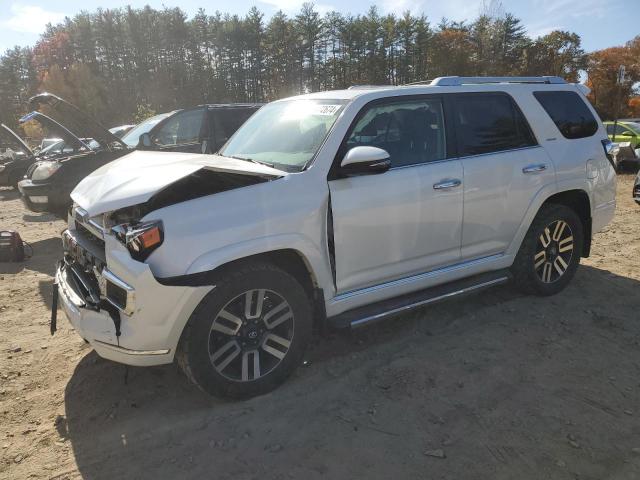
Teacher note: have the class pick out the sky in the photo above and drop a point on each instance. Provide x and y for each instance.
(600, 23)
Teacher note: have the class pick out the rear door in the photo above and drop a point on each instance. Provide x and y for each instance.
(504, 168)
(407, 220)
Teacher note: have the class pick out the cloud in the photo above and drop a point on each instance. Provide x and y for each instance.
(30, 18)
(562, 9)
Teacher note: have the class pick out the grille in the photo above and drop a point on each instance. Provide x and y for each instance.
(96, 241)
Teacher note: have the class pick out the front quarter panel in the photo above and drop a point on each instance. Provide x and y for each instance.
(205, 233)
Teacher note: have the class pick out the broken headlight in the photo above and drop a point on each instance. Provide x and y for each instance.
(140, 239)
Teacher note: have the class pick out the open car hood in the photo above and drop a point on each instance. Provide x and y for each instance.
(137, 177)
(79, 122)
(50, 124)
(14, 139)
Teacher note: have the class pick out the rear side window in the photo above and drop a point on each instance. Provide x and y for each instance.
(226, 122)
(489, 122)
(569, 112)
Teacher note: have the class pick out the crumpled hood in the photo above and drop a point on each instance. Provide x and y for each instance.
(135, 178)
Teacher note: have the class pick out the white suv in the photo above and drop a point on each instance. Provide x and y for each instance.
(336, 208)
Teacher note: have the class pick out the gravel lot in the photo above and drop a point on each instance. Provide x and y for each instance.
(495, 385)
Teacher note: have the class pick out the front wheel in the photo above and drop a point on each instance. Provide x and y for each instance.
(550, 252)
(248, 334)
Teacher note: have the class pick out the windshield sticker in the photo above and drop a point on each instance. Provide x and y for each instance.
(326, 109)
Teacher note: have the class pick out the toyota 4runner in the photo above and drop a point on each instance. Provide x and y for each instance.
(337, 208)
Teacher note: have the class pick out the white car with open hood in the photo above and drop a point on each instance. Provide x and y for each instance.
(333, 209)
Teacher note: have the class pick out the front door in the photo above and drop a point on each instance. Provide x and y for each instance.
(182, 132)
(407, 220)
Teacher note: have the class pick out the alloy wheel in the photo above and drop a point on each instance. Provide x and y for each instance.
(554, 251)
(251, 335)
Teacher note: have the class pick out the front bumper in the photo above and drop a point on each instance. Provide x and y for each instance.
(42, 197)
(150, 320)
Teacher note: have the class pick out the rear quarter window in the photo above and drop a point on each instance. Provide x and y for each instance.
(569, 112)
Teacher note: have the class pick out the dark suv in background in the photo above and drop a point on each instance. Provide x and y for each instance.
(202, 129)
(48, 184)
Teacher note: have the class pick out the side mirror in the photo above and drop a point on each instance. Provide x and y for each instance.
(365, 161)
(145, 140)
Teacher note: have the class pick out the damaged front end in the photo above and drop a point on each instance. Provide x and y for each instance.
(105, 281)
(86, 280)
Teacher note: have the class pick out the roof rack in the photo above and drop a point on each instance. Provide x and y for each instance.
(457, 81)
(368, 87)
(418, 82)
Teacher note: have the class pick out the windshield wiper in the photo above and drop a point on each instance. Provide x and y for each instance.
(247, 159)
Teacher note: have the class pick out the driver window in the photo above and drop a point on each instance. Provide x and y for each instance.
(184, 127)
(411, 132)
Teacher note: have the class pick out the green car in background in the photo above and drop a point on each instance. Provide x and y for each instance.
(625, 131)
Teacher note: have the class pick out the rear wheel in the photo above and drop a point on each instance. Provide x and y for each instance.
(248, 334)
(550, 252)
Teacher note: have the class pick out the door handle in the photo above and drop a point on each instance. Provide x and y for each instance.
(446, 184)
(534, 168)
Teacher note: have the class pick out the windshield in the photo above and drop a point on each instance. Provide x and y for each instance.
(47, 142)
(285, 134)
(54, 147)
(133, 137)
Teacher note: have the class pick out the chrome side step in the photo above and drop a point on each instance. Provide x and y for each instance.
(377, 311)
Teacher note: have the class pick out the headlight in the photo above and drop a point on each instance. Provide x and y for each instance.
(45, 170)
(140, 239)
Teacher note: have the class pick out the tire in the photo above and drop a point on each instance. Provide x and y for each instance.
(550, 272)
(13, 181)
(234, 346)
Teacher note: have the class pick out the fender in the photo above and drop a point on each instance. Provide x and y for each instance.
(316, 259)
(542, 196)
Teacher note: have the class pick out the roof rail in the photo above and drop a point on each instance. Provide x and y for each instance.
(368, 87)
(457, 81)
(418, 82)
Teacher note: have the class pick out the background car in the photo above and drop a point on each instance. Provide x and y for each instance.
(202, 129)
(132, 137)
(17, 157)
(48, 184)
(625, 131)
(47, 142)
(121, 130)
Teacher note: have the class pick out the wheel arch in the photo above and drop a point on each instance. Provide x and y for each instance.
(291, 260)
(577, 200)
(575, 196)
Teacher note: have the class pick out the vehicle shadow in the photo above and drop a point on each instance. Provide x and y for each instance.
(9, 194)
(39, 217)
(155, 424)
(11, 267)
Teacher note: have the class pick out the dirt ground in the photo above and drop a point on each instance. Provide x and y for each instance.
(497, 385)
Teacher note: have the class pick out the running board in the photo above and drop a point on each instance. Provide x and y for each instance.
(377, 311)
